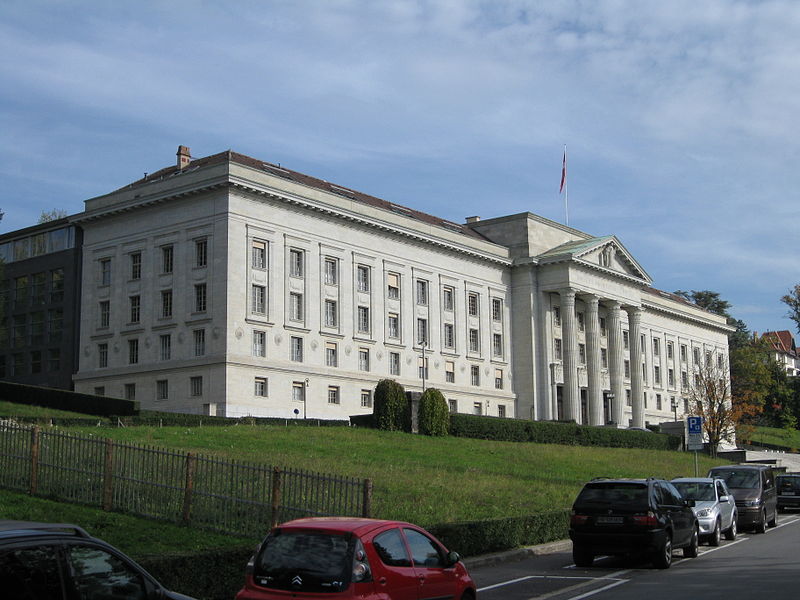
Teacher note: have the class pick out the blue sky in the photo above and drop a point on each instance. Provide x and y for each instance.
(681, 118)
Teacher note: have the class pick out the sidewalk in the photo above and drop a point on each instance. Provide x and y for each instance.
(485, 560)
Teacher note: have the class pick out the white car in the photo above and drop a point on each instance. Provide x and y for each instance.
(714, 506)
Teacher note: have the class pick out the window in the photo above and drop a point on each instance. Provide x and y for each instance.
(36, 361)
(37, 327)
(581, 321)
(498, 379)
(422, 292)
(393, 286)
(626, 340)
(333, 394)
(642, 342)
(394, 325)
(448, 295)
(582, 354)
(450, 371)
(331, 271)
(477, 408)
(670, 350)
(362, 278)
(38, 281)
(196, 385)
(199, 342)
(135, 306)
(657, 375)
(422, 331)
(708, 358)
(363, 359)
(260, 387)
(55, 324)
(453, 405)
(684, 353)
(260, 343)
(166, 303)
(501, 411)
(658, 401)
(296, 262)
(18, 364)
(57, 285)
(366, 398)
(394, 363)
(133, 351)
(298, 391)
(165, 347)
(331, 313)
(557, 354)
(449, 335)
(130, 391)
(258, 254)
(671, 377)
(136, 265)
(363, 319)
(474, 341)
(200, 299)
(259, 300)
(100, 390)
(297, 349)
(162, 389)
(719, 361)
(497, 309)
(684, 379)
(497, 344)
(53, 359)
(656, 347)
(105, 313)
(331, 354)
(295, 306)
(556, 316)
(167, 256)
(628, 401)
(603, 328)
(105, 271)
(21, 289)
(472, 305)
(627, 368)
(422, 367)
(644, 373)
(475, 374)
(200, 253)
(696, 356)
(102, 355)
(604, 358)
(99, 574)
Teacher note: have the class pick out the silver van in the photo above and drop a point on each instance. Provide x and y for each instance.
(753, 487)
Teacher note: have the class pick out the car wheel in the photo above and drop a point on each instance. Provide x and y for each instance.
(761, 526)
(663, 556)
(690, 551)
(582, 556)
(731, 533)
(774, 521)
(716, 535)
(468, 595)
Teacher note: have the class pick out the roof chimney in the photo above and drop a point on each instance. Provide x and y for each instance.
(473, 219)
(184, 157)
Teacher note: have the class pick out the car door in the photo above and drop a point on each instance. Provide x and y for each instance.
(725, 508)
(30, 572)
(682, 516)
(394, 575)
(95, 573)
(435, 579)
(770, 493)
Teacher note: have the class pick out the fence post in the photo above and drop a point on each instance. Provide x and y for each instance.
(191, 463)
(108, 477)
(367, 508)
(277, 482)
(35, 450)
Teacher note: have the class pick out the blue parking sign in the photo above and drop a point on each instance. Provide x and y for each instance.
(694, 425)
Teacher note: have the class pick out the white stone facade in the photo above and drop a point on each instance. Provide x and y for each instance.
(235, 287)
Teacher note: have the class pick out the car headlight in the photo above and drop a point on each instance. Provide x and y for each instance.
(704, 512)
(752, 503)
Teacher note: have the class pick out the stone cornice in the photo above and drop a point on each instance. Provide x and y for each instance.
(685, 316)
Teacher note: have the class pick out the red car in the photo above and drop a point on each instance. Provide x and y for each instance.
(342, 557)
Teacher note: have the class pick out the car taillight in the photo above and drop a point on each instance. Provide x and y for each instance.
(578, 519)
(361, 570)
(648, 520)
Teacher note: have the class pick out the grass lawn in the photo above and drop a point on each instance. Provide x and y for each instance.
(776, 436)
(11, 409)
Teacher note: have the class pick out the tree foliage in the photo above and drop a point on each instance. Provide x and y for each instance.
(708, 300)
(792, 300)
(392, 410)
(52, 215)
(433, 415)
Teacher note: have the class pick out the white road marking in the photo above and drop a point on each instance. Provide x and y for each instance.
(598, 590)
(611, 577)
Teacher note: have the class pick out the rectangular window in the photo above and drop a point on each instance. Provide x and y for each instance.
(656, 347)
(105, 271)
(604, 358)
(708, 358)
(501, 411)
(38, 282)
(37, 328)
(166, 303)
(333, 394)
(331, 313)
(449, 336)
(162, 389)
(474, 341)
(603, 329)
(498, 379)
(259, 300)
(258, 254)
(199, 342)
(472, 305)
(296, 262)
(642, 342)
(102, 355)
(450, 371)
(331, 354)
(422, 331)
(422, 292)
(627, 368)
(582, 354)
(626, 340)
(200, 253)
(105, 313)
(393, 286)
(684, 379)
(475, 374)
(366, 398)
(363, 359)
(200, 298)
(394, 363)
(135, 306)
(497, 344)
(297, 349)
(100, 391)
(136, 265)
(259, 343)
(453, 405)
(556, 316)
(18, 364)
(657, 375)
(363, 319)
(477, 408)
(658, 401)
(295, 306)
(557, 354)
(57, 285)
(130, 391)
(331, 270)
(196, 385)
(670, 350)
(719, 361)
(422, 367)
(260, 387)
(628, 401)
(167, 259)
(298, 391)
(670, 377)
(394, 326)
(165, 347)
(36, 361)
(581, 321)
(696, 356)
(362, 278)
(53, 360)
(497, 309)
(644, 373)
(684, 353)
(448, 296)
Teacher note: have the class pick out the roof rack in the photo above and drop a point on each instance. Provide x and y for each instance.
(36, 526)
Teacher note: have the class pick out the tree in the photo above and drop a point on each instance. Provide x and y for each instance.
(52, 215)
(392, 410)
(792, 300)
(433, 416)
(750, 380)
(708, 300)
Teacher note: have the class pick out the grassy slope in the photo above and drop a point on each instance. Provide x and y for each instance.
(11, 409)
(774, 435)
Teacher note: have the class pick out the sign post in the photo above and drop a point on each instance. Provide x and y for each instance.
(694, 429)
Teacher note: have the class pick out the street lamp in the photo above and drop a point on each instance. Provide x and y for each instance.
(305, 393)
(674, 404)
(423, 344)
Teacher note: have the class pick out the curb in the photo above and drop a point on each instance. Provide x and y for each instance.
(487, 560)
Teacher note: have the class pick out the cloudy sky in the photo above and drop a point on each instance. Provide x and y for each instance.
(680, 117)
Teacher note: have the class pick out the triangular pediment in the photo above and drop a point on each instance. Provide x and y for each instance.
(601, 253)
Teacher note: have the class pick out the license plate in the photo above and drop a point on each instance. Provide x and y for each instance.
(609, 520)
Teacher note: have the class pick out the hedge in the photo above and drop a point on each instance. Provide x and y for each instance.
(66, 400)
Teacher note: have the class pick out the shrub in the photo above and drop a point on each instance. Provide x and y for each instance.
(433, 416)
(392, 409)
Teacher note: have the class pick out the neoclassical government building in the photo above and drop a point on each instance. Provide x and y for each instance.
(226, 285)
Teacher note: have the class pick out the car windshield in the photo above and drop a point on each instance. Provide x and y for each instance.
(788, 483)
(613, 493)
(740, 479)
(696, 490)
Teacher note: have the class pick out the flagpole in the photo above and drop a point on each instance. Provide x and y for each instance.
(565, 185)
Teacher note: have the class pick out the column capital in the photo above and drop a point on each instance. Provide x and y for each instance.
(634, 311)
(613, 304)
(591, 299)
(567, 294)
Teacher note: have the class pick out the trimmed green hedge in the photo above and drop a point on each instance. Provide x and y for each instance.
(66, 400)
(174, 420)
(433, 416)
(551, 432)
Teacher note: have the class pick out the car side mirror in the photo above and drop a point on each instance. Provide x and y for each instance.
(453, 558)
(689, 503)
(724, 499)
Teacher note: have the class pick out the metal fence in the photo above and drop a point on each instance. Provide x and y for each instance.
(230, 496)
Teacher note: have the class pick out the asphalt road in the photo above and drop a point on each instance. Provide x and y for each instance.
(753, 565)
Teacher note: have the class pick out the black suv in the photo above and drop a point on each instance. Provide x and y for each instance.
(56, 561)
(632, 516)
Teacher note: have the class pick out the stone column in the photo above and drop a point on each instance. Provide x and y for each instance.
(637, 383)
(616, 362)
(572, 400)
(595, 389)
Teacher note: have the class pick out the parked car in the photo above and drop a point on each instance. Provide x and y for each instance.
(753, 487)
(56, 561)
(788, 486)
(632, 516)
(714, 507)
(354, 558)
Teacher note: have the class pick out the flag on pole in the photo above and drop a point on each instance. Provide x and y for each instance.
(563, 172)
